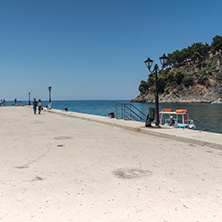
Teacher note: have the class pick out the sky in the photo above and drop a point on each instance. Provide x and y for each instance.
(94, 49)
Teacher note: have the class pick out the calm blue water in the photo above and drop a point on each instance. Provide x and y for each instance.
(207, 117)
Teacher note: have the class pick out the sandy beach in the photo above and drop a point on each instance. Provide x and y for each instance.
(57, 168)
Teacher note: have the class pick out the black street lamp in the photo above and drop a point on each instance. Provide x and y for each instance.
(149, 62)
(29, 99)
(50, 88)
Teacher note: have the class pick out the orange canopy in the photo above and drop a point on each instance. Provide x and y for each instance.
(167, 110)
(182, 111)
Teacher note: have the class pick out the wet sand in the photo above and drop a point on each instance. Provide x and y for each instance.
(58, 168)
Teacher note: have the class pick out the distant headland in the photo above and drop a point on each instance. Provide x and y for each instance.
(195, 75)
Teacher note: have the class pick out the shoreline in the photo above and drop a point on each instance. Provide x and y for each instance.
(203, 138)
(132, 101)
(202, 126)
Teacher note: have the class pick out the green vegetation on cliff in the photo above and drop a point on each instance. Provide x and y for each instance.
(199, 64)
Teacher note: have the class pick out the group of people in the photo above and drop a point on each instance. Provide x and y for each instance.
(37, 104)
(2, 102)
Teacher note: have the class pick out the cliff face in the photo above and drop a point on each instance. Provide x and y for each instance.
(194, 94)
(206, 85)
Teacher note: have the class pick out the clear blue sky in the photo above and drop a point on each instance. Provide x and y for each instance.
(94, 49)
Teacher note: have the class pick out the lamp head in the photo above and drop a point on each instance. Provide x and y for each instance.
(149, 63)
(163, 60)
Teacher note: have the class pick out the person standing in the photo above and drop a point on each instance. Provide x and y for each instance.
(34, 103)
(15, 101)
(3, 102)
(39, 106)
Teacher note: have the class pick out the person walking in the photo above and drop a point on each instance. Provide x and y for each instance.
(34, 103)
(40, 106)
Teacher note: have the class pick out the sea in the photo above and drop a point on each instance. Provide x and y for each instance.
(207, 117)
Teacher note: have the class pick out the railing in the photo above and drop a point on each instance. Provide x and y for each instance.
(127, 111)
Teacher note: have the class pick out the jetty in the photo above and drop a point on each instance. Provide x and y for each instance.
(66, 166)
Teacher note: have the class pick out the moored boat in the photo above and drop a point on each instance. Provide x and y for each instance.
(180, 116)
(217, 102)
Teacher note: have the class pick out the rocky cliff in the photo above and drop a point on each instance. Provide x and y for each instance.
(195, 94)
(199, 82)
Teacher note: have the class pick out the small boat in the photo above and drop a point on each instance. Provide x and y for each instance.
(217, 102)
(180, 116)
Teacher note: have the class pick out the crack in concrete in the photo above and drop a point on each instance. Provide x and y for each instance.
(35, 160)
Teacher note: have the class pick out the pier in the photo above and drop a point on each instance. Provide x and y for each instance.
(66, 166)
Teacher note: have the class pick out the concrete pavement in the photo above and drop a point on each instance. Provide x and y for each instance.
(57, 168)
(213, 140)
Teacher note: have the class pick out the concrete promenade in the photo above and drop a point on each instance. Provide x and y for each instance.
(213, 140)
(64, 166)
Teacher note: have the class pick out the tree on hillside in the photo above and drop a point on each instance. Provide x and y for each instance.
(183, 62)
(151, 79)
(217, 43)
(179, 77)
(196, 57)
(170, 77)
(200, 48)
(188, 80)
(143, 87)
(161, 84)
(195, 52)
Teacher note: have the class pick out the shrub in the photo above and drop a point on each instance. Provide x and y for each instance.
(219, 77)
(204, 81)
(166, 90)
(161, 84)
(180, 87)
(152, 89)
(179, 77)
(174, 83)
(170, 77)
(151, 79)
(188, 80)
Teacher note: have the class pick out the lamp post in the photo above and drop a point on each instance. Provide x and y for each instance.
(50, 88)
(29, 99)
(149, 62)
